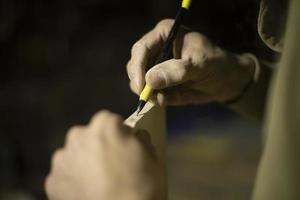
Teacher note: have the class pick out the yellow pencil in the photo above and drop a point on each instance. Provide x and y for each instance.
(165, 52)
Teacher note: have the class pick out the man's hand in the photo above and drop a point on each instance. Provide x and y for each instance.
(105, 160)
(199, 73)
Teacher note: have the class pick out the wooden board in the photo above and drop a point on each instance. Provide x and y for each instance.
(153, 120)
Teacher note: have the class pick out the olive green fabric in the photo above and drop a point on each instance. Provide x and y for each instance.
(271, 22)
(252, 102)
(271, 28)
(278, 175)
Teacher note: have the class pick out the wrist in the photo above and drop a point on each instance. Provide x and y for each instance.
(249, 71)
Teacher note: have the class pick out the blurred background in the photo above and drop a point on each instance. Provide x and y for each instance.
(63, 60)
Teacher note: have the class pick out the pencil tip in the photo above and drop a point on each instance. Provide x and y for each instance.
(138, 111)
(140, 107)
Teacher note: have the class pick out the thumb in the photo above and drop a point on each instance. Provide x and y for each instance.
(169, 73)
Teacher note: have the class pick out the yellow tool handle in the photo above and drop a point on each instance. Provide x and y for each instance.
(146, 93)
(186, 4)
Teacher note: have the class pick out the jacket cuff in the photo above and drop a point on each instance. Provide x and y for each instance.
(252, 100)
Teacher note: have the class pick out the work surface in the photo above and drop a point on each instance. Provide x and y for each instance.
(211, 167)
(203, 164)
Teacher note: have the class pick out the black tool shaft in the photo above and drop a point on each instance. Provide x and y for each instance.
(167, 47)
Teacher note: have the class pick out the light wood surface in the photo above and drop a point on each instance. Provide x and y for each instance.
(153, 120)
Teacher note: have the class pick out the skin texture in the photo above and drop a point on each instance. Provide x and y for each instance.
(105, 160)
(200, 72)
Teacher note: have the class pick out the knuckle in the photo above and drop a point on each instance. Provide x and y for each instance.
(128, 68)
(75, 129)
(107, 116)
(101, 115)
(165, 23)
(57, 156)
(132, 72)
(73, 133)
(104, 113)
(196, 35)
(138, 45)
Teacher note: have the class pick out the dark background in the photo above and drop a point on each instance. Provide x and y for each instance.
(63, 60)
